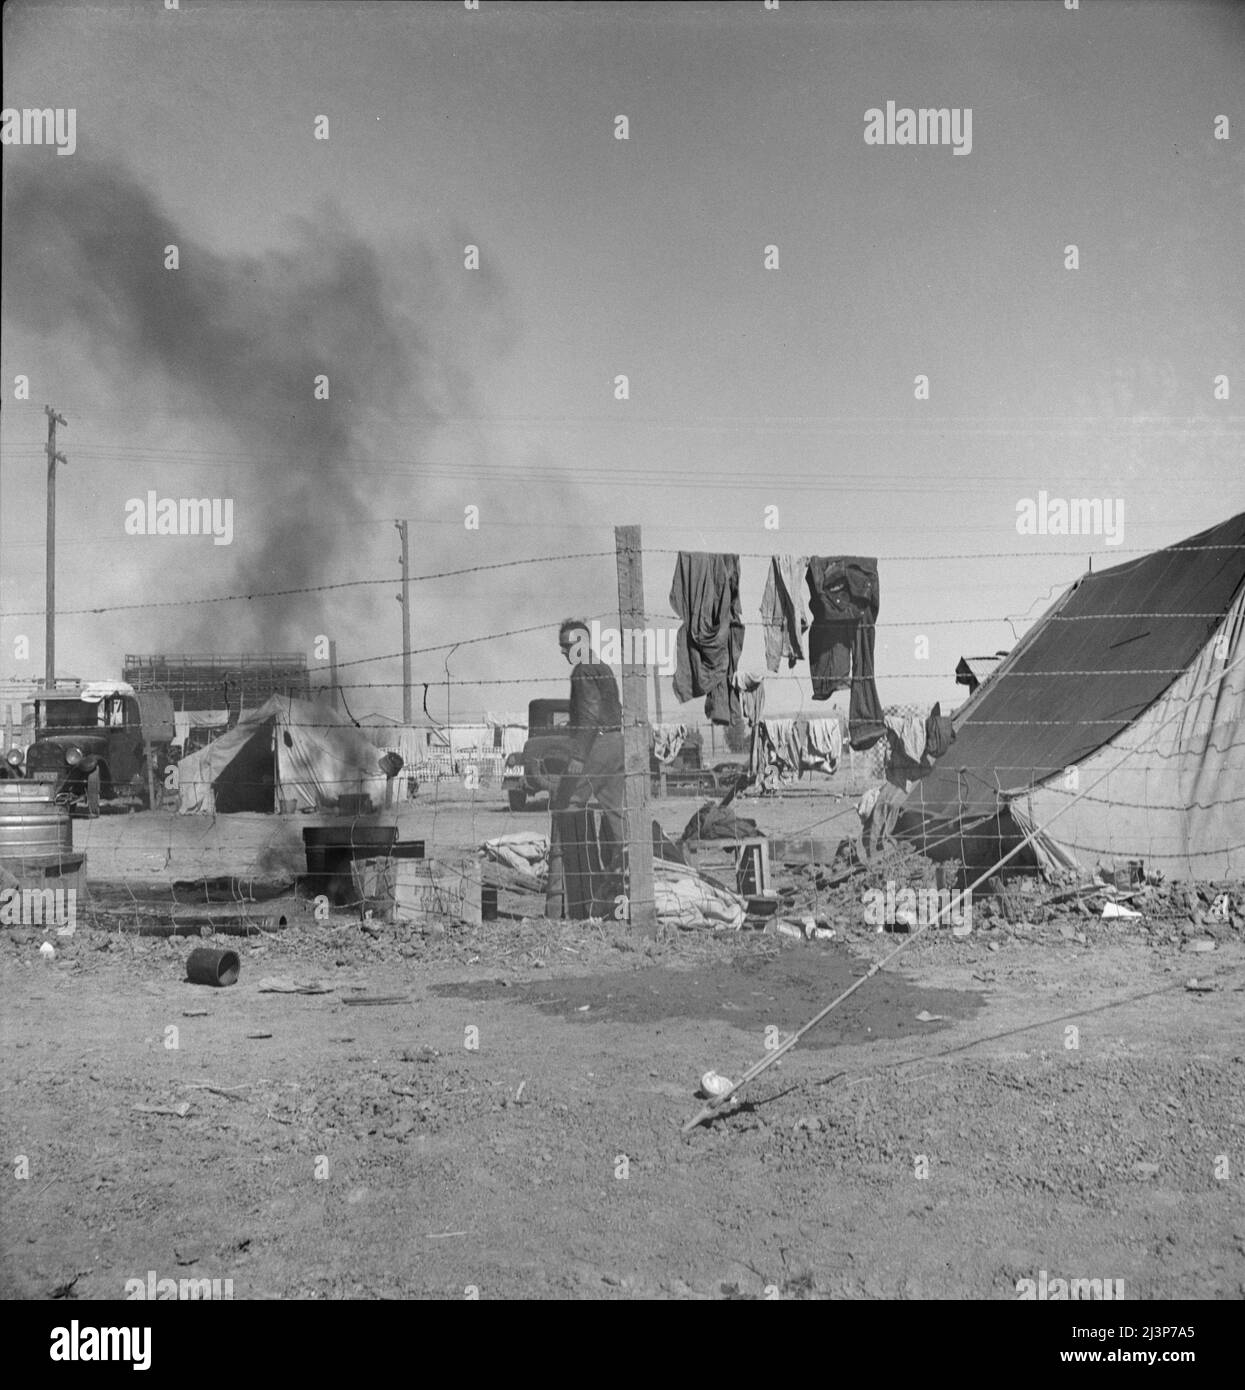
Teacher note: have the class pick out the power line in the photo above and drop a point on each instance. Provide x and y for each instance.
(86, 539)
(414, 469)
(600, 554)
(318, 588)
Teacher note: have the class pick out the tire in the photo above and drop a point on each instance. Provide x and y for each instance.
(92, 792)
(517, 799)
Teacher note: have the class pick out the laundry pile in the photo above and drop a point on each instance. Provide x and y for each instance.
(685, 899)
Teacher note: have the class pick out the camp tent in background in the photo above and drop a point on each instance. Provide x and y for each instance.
(973, 670)
(303, 751)
(1119, 653)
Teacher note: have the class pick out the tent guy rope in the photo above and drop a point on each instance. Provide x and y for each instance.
(716, 1104)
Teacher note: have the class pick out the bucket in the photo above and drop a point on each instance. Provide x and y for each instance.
(209, 966)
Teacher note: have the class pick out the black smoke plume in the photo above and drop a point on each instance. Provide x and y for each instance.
(233, 344)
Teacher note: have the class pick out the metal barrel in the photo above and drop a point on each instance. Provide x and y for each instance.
(32, 825)
(21, 790)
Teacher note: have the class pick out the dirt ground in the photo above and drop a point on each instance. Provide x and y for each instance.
(512, 1123)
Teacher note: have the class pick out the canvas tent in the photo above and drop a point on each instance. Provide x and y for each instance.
(303, 751)
(1112, 668)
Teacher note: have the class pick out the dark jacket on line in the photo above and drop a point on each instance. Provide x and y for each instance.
(705, 594)
(843, 601)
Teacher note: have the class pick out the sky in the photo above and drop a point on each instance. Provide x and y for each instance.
(769, 409)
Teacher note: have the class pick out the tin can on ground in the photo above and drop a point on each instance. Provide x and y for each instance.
(209, 966)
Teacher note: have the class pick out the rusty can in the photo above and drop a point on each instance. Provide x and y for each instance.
(209, 966)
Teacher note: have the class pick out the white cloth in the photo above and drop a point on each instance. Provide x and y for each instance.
(825, 744)
(684, 899)
(909, 733)
(787, 739)
(525, 851)
(668, 739)
(186, 719)
(100, 690)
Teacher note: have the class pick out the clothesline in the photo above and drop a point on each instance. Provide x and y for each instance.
(836, 635)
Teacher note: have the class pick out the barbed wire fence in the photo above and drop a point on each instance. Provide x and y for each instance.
(450, 795)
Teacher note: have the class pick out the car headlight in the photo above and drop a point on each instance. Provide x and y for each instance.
(73, 756)
(13, 757)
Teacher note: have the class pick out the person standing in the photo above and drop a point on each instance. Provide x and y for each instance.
(595, 770)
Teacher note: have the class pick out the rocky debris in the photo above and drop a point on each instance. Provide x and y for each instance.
(1112, 905)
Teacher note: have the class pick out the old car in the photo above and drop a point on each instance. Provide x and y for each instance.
(545, 753)
(93, 742)
(548, 750)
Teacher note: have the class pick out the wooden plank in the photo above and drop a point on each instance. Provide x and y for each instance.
(637, 831)
(782, 849)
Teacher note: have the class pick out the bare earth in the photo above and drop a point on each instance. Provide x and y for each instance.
(370, 1151)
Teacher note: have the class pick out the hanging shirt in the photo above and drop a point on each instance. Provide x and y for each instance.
(825, 744)
(705, 594)
(782, 611)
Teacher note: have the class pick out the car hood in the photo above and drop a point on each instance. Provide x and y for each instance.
(548, 746)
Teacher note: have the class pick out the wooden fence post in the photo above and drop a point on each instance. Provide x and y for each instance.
(637, 829)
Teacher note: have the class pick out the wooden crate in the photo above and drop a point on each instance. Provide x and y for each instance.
(428, 891)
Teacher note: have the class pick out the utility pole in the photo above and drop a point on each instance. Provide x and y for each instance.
(404, 598)
(49, 637)
(637, 826)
